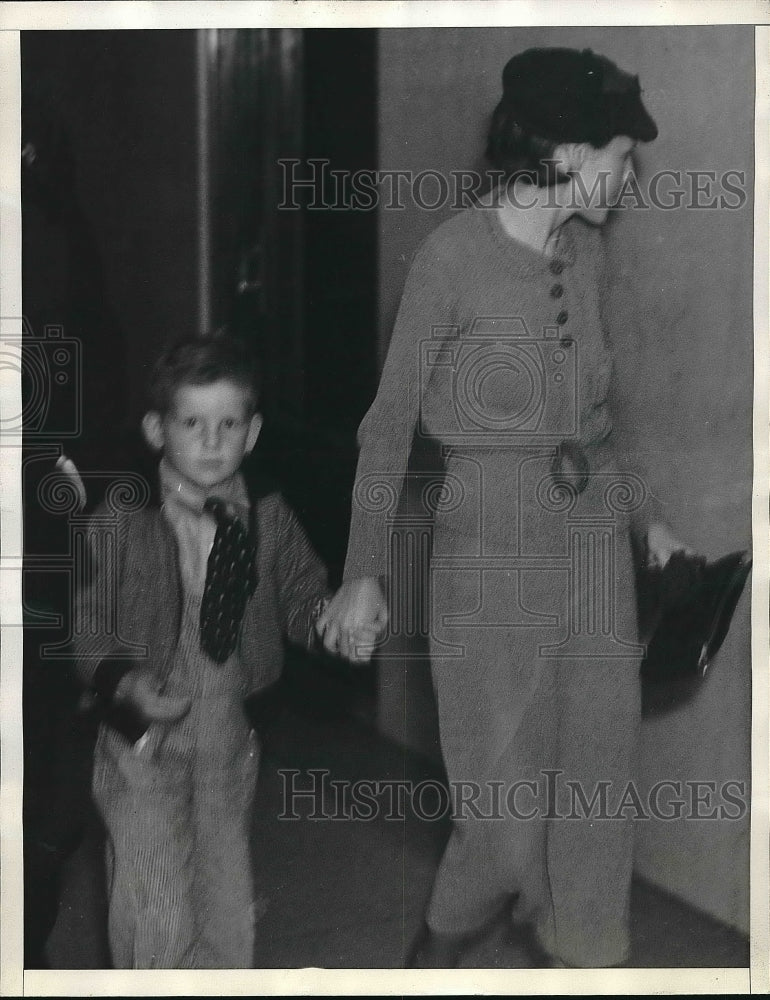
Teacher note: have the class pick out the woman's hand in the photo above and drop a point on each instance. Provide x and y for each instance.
(661, 545)
(354, 619)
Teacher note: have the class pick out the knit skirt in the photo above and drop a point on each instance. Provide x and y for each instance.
(536, 671)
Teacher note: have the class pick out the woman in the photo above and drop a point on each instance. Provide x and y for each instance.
(499, 354)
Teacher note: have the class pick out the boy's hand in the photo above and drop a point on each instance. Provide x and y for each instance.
(362, 643)
(354, 619)
(140, 690)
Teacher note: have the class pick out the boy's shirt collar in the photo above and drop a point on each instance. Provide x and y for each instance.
(182, 494)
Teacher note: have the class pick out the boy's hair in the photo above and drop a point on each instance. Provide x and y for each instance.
(202, 361)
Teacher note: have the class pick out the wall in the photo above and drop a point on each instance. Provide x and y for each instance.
(684, 327)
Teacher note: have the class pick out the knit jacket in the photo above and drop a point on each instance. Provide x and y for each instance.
(474, 295)
(128, 609)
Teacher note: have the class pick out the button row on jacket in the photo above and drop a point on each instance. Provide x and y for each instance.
(557, 289)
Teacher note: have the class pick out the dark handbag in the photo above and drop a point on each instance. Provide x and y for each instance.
(685, 610)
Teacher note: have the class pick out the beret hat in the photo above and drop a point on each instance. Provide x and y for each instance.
(570, 96)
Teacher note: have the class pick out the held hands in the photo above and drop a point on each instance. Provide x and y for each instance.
(357, 616)
(354, 620)
(139, 689)
(661, 545)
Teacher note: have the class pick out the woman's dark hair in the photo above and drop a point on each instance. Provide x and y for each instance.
(520, 153)
(202, 361)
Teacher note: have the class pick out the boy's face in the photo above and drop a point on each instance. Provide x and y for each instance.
(206, 433)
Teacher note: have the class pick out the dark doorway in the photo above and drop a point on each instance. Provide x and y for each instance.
(292, 120)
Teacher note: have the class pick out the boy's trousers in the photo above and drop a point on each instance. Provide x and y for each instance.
(177, 808)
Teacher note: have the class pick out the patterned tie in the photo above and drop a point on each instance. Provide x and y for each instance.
(231, 578)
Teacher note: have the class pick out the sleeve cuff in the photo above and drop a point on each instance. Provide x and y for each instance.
(126, 720)
(121, 715)
(108, 675)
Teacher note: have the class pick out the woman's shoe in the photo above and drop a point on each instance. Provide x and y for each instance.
(539, 958)
(526, 939)
(436, 951)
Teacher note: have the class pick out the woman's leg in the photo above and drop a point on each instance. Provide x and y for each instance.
(590, 846)
(496, 717)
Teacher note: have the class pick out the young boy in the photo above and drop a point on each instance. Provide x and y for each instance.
(180, 619)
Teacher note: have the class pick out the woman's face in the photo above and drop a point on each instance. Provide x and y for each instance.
(601, 176)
